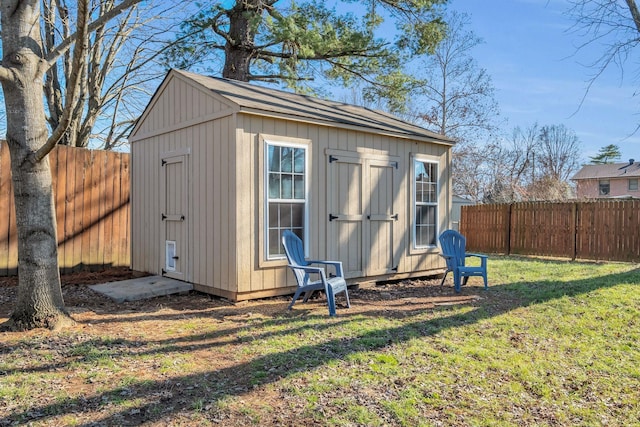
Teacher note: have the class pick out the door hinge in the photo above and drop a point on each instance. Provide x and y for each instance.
(332, 217)
(394, 164)
(394, 217)
(163, 162)
(163, 272)
(332, 159)
(175, 257)
(395, 269)
(164, 217)
(182, 217)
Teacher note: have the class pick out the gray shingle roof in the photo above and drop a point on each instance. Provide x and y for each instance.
(614, 170)
(260, 100)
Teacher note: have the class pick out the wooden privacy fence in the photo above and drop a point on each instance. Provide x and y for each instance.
(92, 208)
(595, 230)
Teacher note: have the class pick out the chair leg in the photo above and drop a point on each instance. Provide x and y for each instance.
(331, 301)
(456, 281)
(346, 294)
(486, 286)
(444, 277)
(308, 295)
(295, 297)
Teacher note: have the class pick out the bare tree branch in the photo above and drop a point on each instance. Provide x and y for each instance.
(66, 44)
(635, 13)
(73, 87)
(610, 26)
(6, 74)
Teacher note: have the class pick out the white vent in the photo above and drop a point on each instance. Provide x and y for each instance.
(170, 255)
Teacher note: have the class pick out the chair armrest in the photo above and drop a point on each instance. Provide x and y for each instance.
(483, 258)
(310, 270)
(336, 264)
(446, 256)
(478, 255)
(306, 269)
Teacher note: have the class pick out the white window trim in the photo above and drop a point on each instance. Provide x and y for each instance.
(425, 159)
(267, 141)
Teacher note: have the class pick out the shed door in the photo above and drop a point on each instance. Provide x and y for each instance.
(382, 216)
(174, 220)
(362, 212)
(345, 178)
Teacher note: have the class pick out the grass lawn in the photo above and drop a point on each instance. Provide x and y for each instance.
(551, 343)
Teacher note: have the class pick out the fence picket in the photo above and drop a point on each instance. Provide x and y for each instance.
(5, 202)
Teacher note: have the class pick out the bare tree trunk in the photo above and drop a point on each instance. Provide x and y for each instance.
(240, 47)
(40, 302)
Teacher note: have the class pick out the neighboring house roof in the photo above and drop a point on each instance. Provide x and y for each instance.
(259, 100)
(463, 200)
(630, 169)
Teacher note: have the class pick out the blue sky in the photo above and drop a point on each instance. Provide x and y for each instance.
(530, 53)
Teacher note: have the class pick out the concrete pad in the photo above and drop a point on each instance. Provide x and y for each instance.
(142, 288)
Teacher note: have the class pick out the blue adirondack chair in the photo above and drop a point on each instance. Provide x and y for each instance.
(302, 271)
(453, 245)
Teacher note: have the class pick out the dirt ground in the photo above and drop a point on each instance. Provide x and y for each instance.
(79, 298)
(97, 317)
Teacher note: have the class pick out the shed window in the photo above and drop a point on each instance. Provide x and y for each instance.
(286, 194)
(425, 203)
(633, 184)
(603, 187)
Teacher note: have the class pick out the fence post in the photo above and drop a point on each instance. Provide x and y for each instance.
(574, 228)
(509, 222)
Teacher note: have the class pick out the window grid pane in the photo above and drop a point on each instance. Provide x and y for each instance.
(298, 161)
(298, 187)
(274, 186)
(287, 159)
(274, 158)
(287, 186)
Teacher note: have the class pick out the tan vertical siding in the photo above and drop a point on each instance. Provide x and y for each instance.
(210, 196)
(318, 188)
(244, 154)
(216, 242)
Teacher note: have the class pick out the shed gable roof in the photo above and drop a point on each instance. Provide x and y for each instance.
(613, 170)
(252, 99)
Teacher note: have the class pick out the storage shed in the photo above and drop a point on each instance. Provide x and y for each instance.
(221, 168)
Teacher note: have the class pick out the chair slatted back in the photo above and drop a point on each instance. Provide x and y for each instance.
(294, 249)
(453, 244)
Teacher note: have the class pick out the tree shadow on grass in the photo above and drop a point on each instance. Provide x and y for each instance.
(149, 401)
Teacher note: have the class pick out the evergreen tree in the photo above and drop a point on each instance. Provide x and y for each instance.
(293, 43)
(606, 155)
